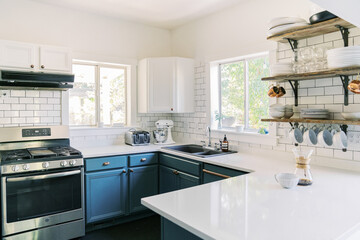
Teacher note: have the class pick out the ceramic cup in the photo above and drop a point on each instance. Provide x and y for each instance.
(340, 139)
(325, 138)
(287, 180)
(296, 134)
(310, 136)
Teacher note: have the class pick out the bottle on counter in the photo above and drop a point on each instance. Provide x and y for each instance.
(225, 144)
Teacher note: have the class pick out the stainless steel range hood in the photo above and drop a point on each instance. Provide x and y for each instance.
(35, 80)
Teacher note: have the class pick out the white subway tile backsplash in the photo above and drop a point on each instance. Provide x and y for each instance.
(11, 100)
(26, 113)
(316, 91)
(5, 106)
(40, 100)
(315, 40)
(47, 94)
(26, 100)
(32, 106)
(334, 90)
(31, 93)
(325, 100)
(17, 93)
(11, 113)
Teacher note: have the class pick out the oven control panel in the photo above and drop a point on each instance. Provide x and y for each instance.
(36, 132)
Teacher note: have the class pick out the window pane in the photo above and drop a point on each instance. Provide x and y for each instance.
(232, 94)
(82, 96)
(258, 99)
(112, 96)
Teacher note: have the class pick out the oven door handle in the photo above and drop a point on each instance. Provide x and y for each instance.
(41, 177)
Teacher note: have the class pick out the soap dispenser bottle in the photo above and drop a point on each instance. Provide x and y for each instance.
(225, 144)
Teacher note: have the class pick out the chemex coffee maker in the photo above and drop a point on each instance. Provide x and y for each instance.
(162, 134)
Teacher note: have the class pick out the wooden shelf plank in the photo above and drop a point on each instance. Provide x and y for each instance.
(348, 71)
(312, 30)
(322, 121)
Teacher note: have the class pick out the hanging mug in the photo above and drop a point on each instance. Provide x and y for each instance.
(281, 93)
(273, 91)
(354, 85)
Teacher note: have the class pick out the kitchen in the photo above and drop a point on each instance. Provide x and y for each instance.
(101, 42)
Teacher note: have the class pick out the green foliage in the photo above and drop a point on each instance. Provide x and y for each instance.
(233, 91)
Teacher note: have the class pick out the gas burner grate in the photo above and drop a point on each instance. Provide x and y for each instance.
(15, 155)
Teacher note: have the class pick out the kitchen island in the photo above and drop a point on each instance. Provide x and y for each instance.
(254, 206)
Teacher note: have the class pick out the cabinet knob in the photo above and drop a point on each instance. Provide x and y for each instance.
(175, 172)
(42, 66)
(172, 109)
(143, 160)
(106, 163)
(32, 66)
(131, 170)
(124, 171)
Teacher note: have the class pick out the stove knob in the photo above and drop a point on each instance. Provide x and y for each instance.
(63, 163)
(15, 168)
(26, 166)
(72, 162)
(45, 164)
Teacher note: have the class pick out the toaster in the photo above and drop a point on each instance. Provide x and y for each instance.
(137, 138)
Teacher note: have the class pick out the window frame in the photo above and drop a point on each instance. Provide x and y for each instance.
(245, 60)
(97, 66)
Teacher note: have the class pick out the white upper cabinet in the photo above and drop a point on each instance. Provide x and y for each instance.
(55, 58)
(166, 85)
(26, 56)
(17, 55)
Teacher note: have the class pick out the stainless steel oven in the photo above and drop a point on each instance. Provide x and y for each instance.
(42, 197)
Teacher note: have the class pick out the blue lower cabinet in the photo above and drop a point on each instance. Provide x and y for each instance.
(143, 182)
(187, 180)
(106, 194)
(172, 179)
(171, 231)
(168, 179)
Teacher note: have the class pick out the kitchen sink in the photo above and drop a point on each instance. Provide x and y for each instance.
(197, 150)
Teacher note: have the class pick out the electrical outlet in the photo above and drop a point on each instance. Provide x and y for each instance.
(4, 93)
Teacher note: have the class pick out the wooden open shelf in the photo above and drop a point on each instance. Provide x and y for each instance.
(312, 30)
(321, 121)
(348, 71)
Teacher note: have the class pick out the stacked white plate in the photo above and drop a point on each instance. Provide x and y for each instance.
(313, 113)
(343, 57)
(281, 24)
(351, 116)
(281, 69)
(280, 111)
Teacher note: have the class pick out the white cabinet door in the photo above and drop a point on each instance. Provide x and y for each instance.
(185, 85)
(17, 55)
(55, 59)
(161, 85)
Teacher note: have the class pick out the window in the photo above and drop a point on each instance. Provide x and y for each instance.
(99, 95)
(243, 96)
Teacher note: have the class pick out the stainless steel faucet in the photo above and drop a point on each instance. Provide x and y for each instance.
(208, 129)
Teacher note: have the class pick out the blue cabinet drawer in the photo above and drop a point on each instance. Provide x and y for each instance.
(143, 159)
(214, 173)
(180, 164)
(103, 163)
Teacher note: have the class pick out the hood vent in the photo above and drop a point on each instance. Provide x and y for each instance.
(35, 80)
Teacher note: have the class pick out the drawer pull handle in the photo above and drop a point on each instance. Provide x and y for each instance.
(175, 172)
(42, 66)
(131, 170)
(106, 163)
(143, 160)
(215, 174)
(32, 66)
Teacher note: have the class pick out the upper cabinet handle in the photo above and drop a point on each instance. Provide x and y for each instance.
(172, 109)
(106, 163)
(143, 160)
(32, 65)
(42, 66)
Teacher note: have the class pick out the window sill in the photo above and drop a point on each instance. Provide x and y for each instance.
(247, 137)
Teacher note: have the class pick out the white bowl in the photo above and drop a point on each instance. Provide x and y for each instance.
(351, 116)
(287, 180)
(277, 114)
(288, 114)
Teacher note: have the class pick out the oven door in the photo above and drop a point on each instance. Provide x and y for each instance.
(38, 200)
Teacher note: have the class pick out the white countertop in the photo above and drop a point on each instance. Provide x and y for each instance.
(254, 206)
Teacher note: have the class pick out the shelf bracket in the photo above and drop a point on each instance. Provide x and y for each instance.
(295, 87)
(345, 83)
(345, 34)
(293, 44)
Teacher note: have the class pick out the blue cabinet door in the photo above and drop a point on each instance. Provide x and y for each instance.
(168, 179)
(187, 180)
(106, 194)
(143, 182)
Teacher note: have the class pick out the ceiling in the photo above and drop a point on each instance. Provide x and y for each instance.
(159, 13)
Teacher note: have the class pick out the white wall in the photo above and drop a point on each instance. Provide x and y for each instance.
(237, 31)
(34, 22)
